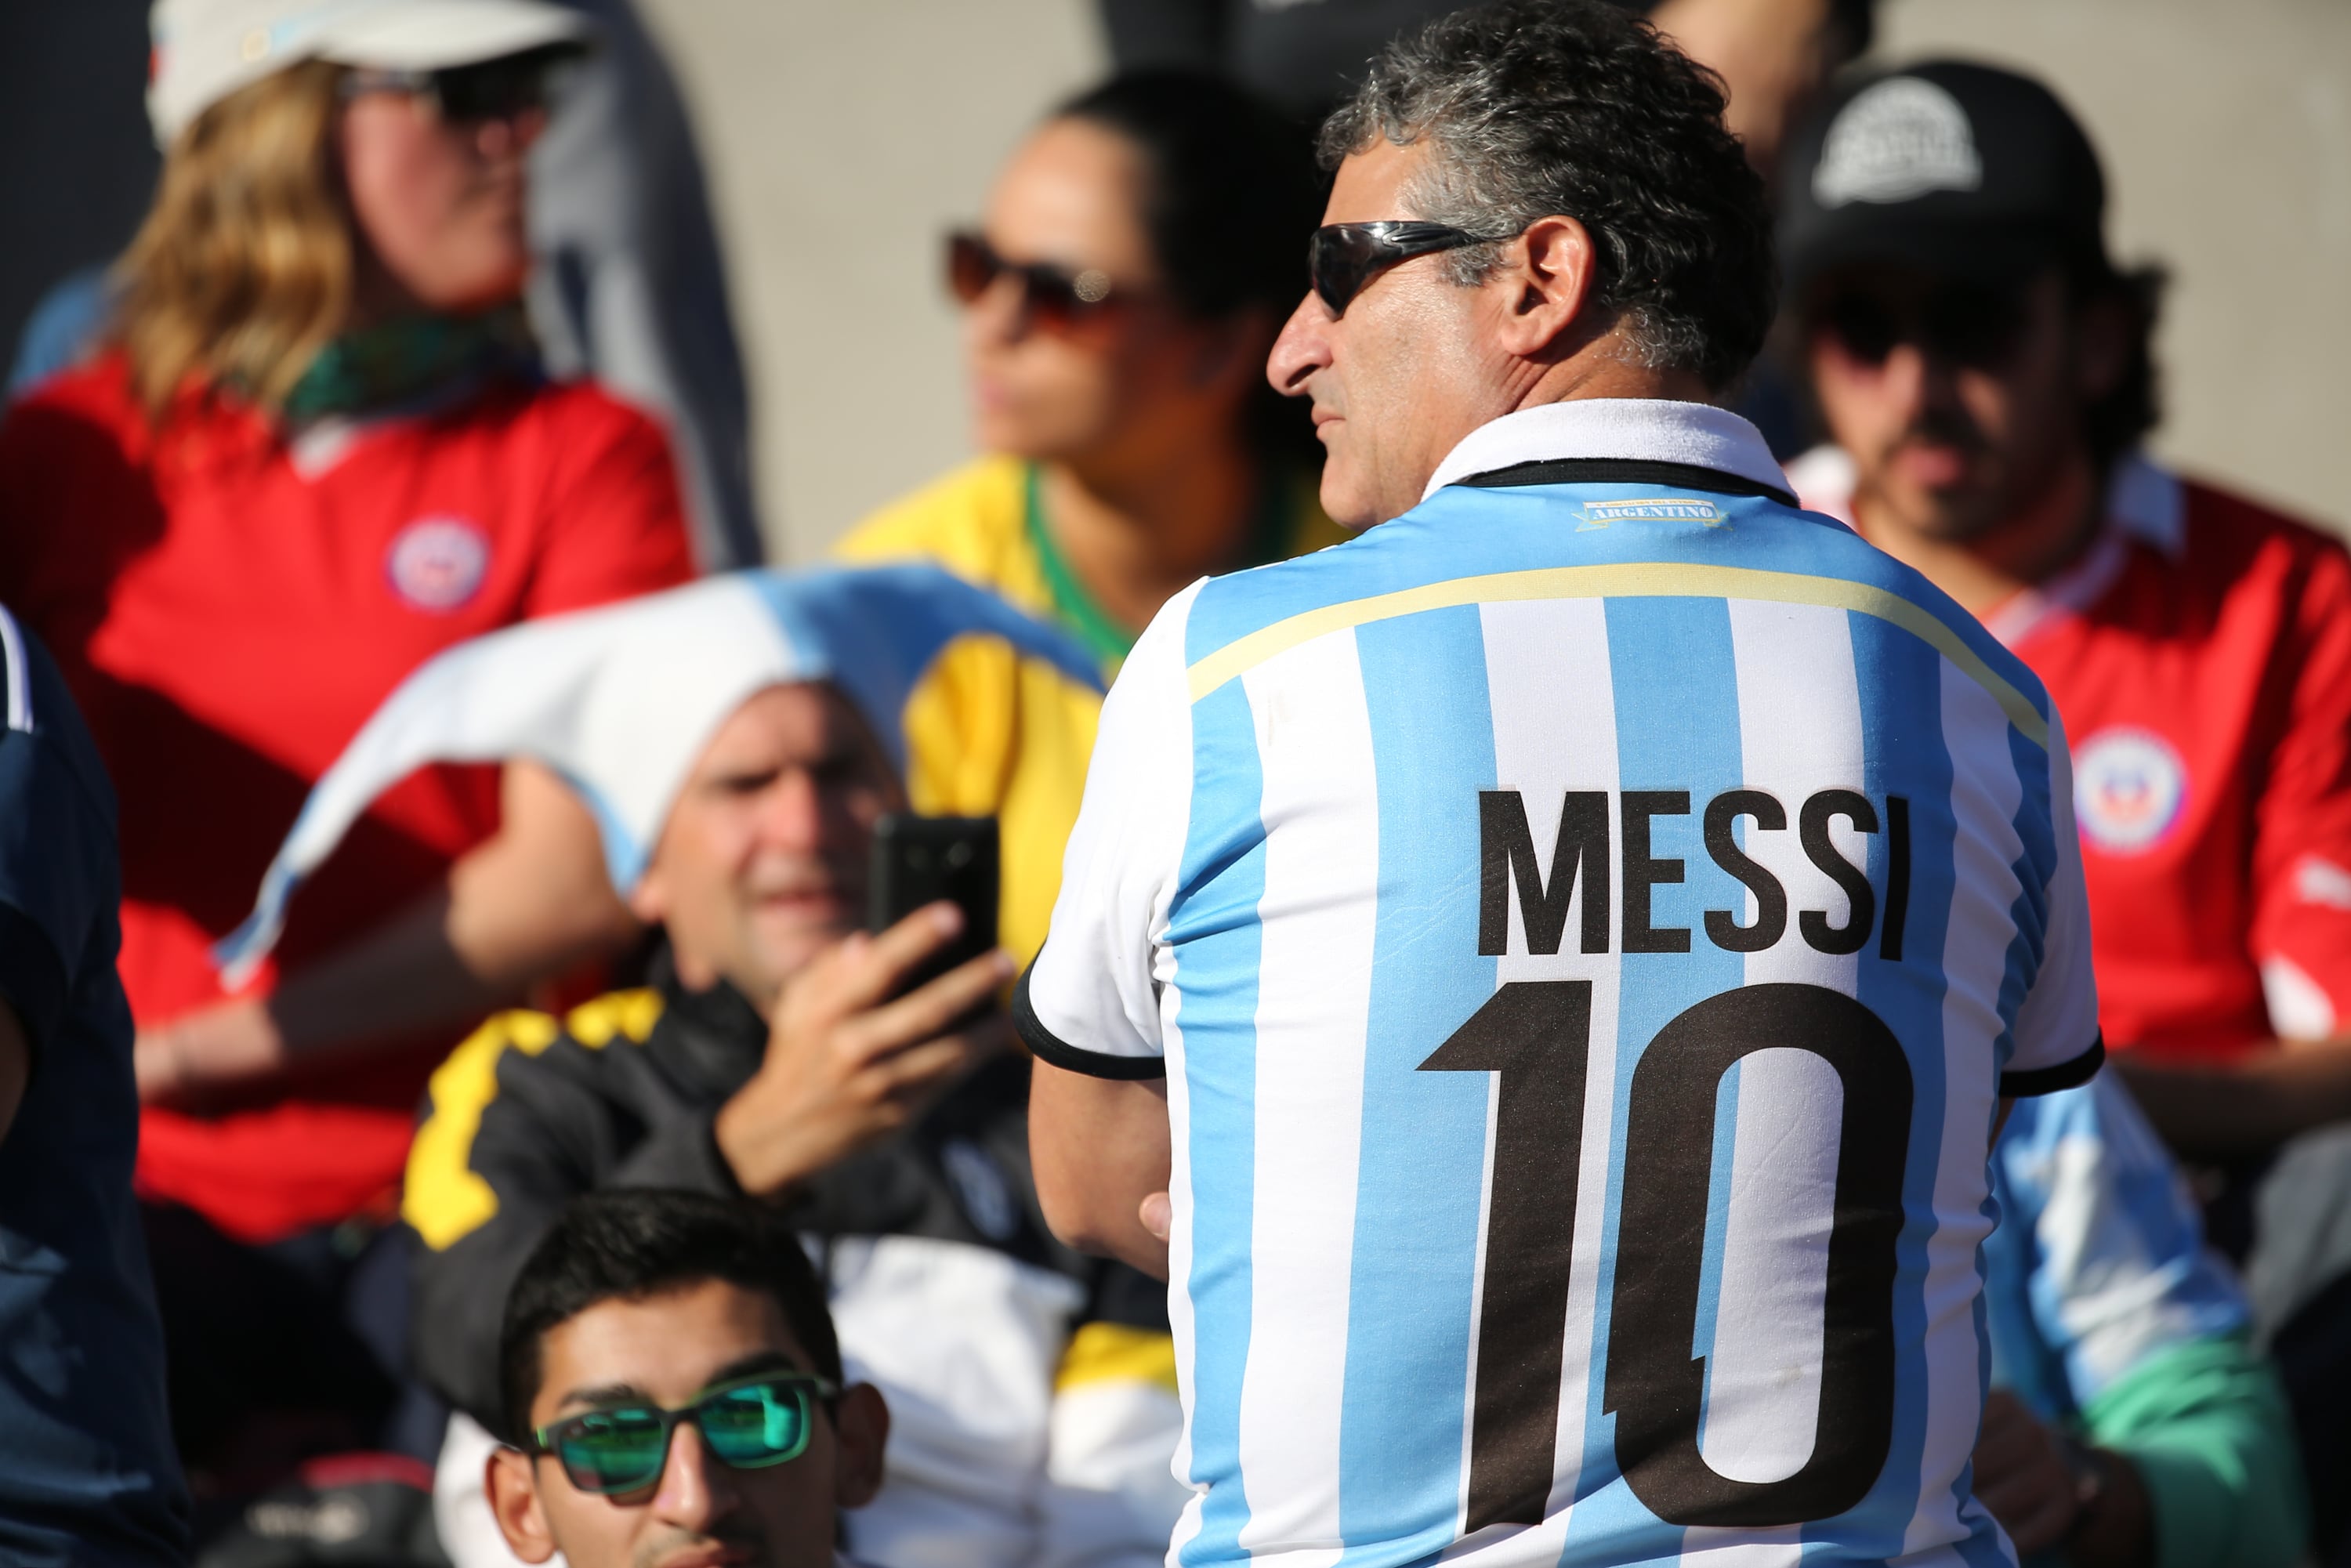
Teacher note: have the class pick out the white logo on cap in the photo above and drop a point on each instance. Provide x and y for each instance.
(1900, 138)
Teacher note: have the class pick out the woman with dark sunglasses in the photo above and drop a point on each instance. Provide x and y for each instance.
(1119, 294)
(1133, 261)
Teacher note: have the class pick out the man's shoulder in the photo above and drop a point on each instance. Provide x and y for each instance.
(528, 1078)
(527, 1041)
(2210, 568)
(2221, 528)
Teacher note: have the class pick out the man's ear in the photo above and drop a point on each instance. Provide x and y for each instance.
(1548, 312)
(512, 1490)
(861, 1426)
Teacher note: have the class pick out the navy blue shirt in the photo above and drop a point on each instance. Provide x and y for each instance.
(87, 1469)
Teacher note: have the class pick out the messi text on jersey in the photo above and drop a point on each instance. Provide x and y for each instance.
(1581, 858)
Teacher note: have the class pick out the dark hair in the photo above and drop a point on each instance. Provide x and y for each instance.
(1232, 191)
(1533, 108)
(628, 1244)
(2121, 419)
(1232, 196)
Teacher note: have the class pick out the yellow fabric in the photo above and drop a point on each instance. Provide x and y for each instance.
(445, 1201)
(631, 1013)
(1113, 1353)
(988, 731)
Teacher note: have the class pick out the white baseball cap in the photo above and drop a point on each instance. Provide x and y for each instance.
(207, 49)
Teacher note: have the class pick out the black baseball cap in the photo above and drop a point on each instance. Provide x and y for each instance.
(1955, 168)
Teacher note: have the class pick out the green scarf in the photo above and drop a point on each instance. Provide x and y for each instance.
(1270, 539)
(402, 360)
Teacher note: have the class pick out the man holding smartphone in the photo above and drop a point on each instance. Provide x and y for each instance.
(742, 741)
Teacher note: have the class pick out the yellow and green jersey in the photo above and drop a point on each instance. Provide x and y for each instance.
(990, 731)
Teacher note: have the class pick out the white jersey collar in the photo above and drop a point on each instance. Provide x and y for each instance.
(2147, 501)
(1652, 430)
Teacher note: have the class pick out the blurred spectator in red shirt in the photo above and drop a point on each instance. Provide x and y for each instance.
(1986, 373)
(316, 450)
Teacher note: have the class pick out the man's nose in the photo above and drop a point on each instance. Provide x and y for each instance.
(1911, 378)
(1302, 348)
(695, 1489)
(791, 813)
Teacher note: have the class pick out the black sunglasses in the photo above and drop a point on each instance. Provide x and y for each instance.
(1053, 298)
(749, 1425)
(1973, 325)
(1342, 259)
(504, 88)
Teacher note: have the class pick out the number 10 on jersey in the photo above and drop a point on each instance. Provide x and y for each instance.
(1536, 1035)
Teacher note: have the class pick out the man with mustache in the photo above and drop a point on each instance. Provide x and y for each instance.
(1985, 373)
(1540, 977)
(675, 1393)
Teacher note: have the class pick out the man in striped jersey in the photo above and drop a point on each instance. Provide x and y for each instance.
(1563, 953)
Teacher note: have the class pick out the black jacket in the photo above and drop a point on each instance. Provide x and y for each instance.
(622, 1092)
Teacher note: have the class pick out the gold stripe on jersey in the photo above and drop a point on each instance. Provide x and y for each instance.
(1626, 579)
(445, 1200)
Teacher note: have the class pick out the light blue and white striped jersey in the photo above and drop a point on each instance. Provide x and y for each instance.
(1586, 925)
(2099, 1266)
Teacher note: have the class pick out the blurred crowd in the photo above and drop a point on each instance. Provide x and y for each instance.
(454, 1037)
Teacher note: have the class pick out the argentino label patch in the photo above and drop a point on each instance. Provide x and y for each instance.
(1651, 509)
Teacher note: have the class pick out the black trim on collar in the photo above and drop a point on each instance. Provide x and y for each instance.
(1054, 1052)
(2050, 1080)
(1625, 471)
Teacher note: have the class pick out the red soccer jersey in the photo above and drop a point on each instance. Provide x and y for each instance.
(2201, 655)
(229, 607)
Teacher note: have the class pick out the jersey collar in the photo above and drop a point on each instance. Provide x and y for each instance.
(1646, 430)
(2146, 506)
(2147, 501)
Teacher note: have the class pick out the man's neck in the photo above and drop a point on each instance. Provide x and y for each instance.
(2022, 550)
(1603, 364)
(1607, 367)
(1137, 534)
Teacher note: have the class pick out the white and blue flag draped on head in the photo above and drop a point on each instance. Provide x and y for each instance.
(619, 701)
(1586, 927)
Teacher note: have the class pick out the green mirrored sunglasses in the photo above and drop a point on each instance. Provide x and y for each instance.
(751, 1425)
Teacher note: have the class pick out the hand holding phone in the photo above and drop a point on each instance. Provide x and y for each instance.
(881, 1024)
(922, 860)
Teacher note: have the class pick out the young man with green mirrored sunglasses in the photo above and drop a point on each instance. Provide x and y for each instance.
(748, 1423)
(675, 1392)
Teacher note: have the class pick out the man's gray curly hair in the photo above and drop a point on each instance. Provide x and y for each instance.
(1536, 107)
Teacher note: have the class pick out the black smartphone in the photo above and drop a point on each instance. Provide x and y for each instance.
(921, 860)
